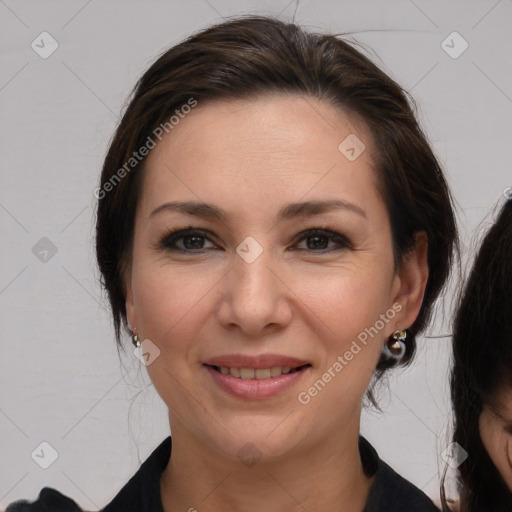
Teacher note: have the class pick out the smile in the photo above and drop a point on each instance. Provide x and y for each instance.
(257, 373)
(256, 383)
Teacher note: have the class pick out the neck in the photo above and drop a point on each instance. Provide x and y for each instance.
(326, 476)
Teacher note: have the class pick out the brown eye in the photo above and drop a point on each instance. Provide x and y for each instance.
(185, 240)
(317, 240)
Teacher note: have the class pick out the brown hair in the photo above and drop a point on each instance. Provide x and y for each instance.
(254, 55)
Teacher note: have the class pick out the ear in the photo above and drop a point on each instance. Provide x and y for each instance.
(412, 278)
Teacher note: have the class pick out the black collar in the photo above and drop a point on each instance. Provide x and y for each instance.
(389, 491)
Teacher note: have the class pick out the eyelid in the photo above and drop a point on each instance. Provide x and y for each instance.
(339, 238)
(170, 236)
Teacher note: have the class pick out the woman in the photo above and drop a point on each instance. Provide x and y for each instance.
(482, 375)
(242, 148)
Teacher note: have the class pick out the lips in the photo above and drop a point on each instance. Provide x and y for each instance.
(256, 388)
(256, 377)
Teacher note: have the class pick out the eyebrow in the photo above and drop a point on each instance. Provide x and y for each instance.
(290, 211)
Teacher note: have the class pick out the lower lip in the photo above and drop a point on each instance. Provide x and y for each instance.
(256, 388)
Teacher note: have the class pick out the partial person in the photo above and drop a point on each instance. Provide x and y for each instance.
(481, 380)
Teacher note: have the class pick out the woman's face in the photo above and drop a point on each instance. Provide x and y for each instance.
(496, 433)
(251, 288)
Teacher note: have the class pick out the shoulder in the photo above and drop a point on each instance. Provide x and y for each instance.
(141, 492)
(49, 500)
(390, 491)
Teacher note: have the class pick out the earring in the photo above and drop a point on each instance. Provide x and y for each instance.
(395, 346)
(135, 340)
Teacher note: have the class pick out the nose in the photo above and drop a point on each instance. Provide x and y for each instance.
(255, 296)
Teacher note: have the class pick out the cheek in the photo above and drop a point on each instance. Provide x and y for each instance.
(487, 435)
(356, 315)
(171, 304)
(345, 302)
(349, 301)
(495, 443)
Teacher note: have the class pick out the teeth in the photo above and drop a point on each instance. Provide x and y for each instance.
(247, 373)
(262, 373)
(258, 374)
(275, 371)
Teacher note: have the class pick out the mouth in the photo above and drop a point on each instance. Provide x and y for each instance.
(252, 378)
(257, 373)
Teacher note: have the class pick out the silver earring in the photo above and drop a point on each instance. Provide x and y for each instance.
(394, 347)
(135, 340)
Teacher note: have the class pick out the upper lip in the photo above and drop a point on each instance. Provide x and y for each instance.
(261, 361)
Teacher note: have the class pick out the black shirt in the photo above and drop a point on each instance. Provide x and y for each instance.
(389, 491)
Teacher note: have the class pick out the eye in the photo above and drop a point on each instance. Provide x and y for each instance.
(192, 240)
(317, 240)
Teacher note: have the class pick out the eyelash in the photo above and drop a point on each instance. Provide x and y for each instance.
(167, 242)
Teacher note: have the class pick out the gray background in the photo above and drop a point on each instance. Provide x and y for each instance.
(62, 380)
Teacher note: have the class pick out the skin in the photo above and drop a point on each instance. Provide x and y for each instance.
(495, 426)
(251, 158)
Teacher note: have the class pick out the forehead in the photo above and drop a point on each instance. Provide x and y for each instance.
(501, 403)
(268, 149)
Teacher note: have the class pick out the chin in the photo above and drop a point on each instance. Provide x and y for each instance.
(256, 440)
